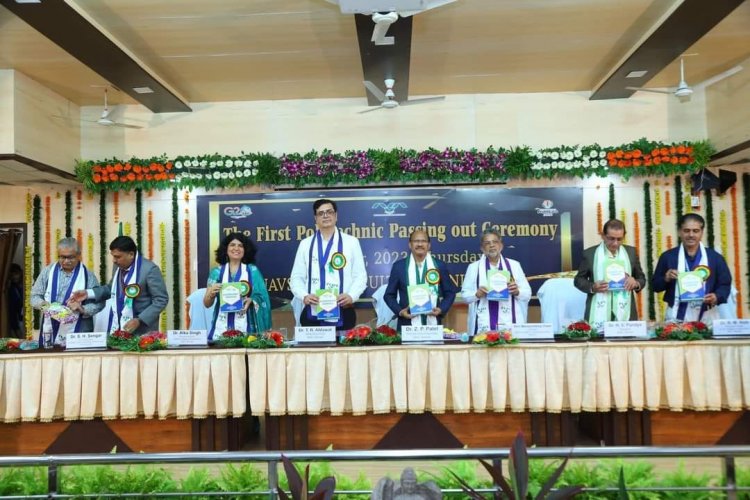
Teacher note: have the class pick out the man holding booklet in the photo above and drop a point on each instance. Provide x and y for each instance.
(419, 290)
(329, 272)
(695, 279)
(608, 274)
(495, 287)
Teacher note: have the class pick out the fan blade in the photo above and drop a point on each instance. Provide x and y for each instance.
(719, 77)
(374, 108)
(641, 89)
(374, 90)
(422, 100)
(125, 125)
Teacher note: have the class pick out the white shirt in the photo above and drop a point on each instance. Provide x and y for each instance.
(355, 274)
(469, 290)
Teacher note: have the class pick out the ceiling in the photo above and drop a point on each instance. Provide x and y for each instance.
(240, 50)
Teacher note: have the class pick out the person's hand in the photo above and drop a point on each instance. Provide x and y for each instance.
(481, 292)
(631, 284)
(344, 300)
(671, 275)
(404, 313)
(213, 291)
(310, 300)
(710, 299)
(246, 303)
(600, 287)
(132, 325)
(78, 296)
(75, 306)
(513, 288)
(436, 311)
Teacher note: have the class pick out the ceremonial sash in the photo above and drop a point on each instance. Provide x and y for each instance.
(690, 311)
(415, 275)
(608, 304)
(490, 313)
(325, 275)
(232, 320)
(77, 282)
(124, 290)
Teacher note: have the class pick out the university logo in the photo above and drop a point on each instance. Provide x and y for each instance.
(389, 208)
(238, 212)
(547, 209)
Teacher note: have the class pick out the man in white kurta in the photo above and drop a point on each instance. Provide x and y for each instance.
(328, 260)
(486, 315)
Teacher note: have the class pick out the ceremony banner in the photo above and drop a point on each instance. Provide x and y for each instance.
(542, 228)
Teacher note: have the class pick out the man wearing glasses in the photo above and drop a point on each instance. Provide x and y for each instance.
(329, 272)
(54, 286)
(609, 274)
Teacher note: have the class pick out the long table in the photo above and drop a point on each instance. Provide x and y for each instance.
(355, 396)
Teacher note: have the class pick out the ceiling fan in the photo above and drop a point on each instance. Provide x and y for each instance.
(683, 91)
(388, 98)
(106, 120)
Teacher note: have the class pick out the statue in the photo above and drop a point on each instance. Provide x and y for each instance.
(409, 489)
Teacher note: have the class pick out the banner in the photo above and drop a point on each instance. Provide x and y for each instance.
(542, 228)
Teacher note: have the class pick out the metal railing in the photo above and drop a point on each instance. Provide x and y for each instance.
(727, 454)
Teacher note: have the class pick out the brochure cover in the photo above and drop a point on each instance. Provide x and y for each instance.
(420, 300)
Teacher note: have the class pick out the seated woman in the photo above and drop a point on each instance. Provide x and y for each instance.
(236, 257)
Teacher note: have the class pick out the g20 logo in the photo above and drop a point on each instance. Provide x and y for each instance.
(238, 212)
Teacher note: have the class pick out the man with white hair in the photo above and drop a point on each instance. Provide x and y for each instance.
(56, 283)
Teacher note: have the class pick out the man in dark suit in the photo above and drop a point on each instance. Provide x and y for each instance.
(608, 274)
(417, 269)
(137, 287)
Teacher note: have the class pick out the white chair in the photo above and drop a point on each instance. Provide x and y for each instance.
(562, 303)
(201, 316)
(297, 307)
(101, 319)
(729, 309)
(384, 314)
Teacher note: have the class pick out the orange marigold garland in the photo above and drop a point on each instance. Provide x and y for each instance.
(599, 217)
(736, 248)
(667, 202)
(675, 155)
(79, 237)
(188, 282)
(670, 244)
(47, 230)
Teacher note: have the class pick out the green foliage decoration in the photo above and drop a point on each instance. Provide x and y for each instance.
(649, 248)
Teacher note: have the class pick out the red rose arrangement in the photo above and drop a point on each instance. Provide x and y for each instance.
(231, 338)
(272, 339)
(580, 330)
(495, 337)
(152, 341)
(126, 341)
(365, 335)
(690, 330)
(9, 345)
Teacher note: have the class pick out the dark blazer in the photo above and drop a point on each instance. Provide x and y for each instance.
(398, 282)
(149, 304)
(584, 280)
(719, 282)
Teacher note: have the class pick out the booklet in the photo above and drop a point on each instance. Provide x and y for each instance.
(420, 300)
(328, 307)
(615, 275)
(497, 284)
(691, 286)
(230, 297)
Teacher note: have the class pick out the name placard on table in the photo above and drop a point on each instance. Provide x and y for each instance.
(421, 333)
(533, 331)
(315, 334)
(625, 329)
(187, 338)
(731, 327)
(85, 340)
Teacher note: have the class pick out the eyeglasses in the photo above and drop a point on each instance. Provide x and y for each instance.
(323, 213)
(67, 257)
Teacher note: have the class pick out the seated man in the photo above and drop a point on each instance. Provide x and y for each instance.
(419, 268)
(486, 314)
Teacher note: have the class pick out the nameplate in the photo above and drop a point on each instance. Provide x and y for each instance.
(533, 331)
(315, 334)
(422, 333)
(731, 327)
(85, 340)
(182, 338)
(625, 329)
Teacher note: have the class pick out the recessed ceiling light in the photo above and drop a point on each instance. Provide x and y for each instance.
(143, 90)
(28, 1)
(636, 74)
